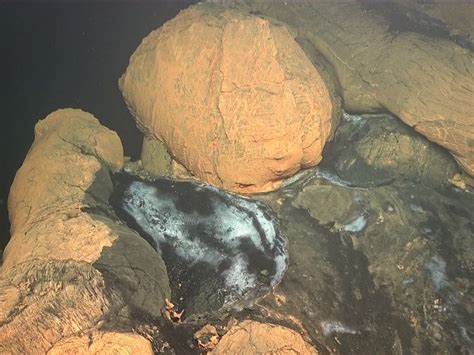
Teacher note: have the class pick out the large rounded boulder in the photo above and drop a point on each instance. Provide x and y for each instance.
(232, 97)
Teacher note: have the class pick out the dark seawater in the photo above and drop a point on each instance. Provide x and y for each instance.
(58, 54)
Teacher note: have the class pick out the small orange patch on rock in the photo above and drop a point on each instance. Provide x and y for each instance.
(207, 337)
(171, 313)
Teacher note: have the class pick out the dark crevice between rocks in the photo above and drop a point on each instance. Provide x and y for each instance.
(4, 225)
(172, 338)
(166, 338)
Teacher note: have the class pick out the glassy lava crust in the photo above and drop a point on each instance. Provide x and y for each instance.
(219, 248)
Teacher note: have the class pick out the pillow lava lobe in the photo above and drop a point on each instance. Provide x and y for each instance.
(233, 98)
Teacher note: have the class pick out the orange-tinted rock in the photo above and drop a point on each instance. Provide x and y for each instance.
(250, 337)
(70, 150)
(389, 58)
(69, 267)
(233, 97)
(103, 343)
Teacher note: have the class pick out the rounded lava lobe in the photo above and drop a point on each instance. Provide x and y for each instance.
(239, 88)
(219, 248)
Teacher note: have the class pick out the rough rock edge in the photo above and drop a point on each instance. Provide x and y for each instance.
(251, 337)
(379, 68)
(141, 106)
(53, 284)
(103, 343)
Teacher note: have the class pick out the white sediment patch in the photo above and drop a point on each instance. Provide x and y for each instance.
(334, 179)
(354, 119)
(237, 276)
(281, 261)
(233, 235)
(159, 218)
(332, 327)
(437, 269)
(356, 225)
(416, 208)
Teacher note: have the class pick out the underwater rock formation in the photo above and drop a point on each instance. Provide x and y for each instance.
(382, 264)
(385, 57)
(219, 248)
(373, 150)
(233, 98)
(103, 343)
(250, 337)
(68, 267)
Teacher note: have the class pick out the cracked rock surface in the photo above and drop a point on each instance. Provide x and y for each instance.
(386, 57)
(69, 268)
(233, 97)
(103, 342)
(377, 268)
(251, 337)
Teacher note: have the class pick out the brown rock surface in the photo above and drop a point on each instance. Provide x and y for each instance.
(458, 16)
(233, 97)
(366, 261)
(155, 158)
(69, 268)
(383, 60)
(250, 337)
(103, 343)
(387, 151)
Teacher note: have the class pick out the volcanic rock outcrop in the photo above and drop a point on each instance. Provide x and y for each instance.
(250, 337)
(69, 268)
(233, 98)
(388, 57)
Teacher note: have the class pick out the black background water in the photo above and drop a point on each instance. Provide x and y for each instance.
(67, 54)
